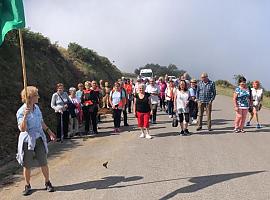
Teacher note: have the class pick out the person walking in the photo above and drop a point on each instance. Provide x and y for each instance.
(106, 98)
(153, 90)
(59, 103)
(117, 101)
(125, 117)
(79, 95)
(257, 97)
(193, 105)
(74, 120)
(32, 143)
(129, 89)
(142, 110)
(162, 89)
(242, 102)
(90, 101)
(181, 106)
(206, 93)
(170, 92)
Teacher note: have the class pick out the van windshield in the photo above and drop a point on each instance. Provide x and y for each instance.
(146, 74)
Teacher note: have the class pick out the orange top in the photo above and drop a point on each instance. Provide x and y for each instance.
(128, 88)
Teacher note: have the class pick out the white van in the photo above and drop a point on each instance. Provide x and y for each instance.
(146, 74)
(173, 78)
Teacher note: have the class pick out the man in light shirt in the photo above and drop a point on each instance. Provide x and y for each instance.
(153, 90)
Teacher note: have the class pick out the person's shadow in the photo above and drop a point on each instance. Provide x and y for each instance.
(202, 182)
(103, 183)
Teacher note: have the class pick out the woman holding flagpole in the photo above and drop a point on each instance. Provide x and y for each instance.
(32, 144)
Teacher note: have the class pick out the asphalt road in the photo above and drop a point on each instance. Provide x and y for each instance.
(203, 166)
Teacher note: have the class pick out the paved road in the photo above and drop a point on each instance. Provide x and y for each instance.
(222, 165)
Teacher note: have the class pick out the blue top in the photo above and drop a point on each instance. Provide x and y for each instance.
(116, 97)
(34, 120)
(79, 94)
(192, 91)
(34, 130)
(243, 97)
(206, 92)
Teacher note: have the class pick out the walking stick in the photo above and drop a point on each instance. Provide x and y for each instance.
(62, 131)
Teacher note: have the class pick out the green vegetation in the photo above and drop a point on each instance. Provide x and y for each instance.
(47, 64)
(226, 88)
(171, 70)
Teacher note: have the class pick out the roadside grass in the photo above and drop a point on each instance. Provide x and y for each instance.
(227, 91)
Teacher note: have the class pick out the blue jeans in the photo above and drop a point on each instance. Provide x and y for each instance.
(170, 107)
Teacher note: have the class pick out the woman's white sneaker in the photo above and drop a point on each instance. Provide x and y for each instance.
(142, 135)
(148, 136)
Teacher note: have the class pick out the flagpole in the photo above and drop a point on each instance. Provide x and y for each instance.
(23, 66)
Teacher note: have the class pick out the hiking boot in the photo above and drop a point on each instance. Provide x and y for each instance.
(27, 190)
(199, 128)
(49, 187)
(187, 132)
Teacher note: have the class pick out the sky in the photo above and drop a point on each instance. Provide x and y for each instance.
(220, 37)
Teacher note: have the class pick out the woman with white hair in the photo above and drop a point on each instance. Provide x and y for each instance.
(142, 110)
(257, 98)
(74, 120)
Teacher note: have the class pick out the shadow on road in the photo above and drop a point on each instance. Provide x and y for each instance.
(203, 182)
(219, 122)
(166, 134)
(104, 183)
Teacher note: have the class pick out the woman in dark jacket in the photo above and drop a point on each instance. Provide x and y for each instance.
(90, 101)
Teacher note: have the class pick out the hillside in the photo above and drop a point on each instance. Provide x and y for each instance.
(47, 64)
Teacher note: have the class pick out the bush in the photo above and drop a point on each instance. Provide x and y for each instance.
(224, 83)
(266, 93)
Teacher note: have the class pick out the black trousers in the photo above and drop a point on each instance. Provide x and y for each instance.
(129, 103)
(65, 119)
(90, 117)
(154, 112)
(117, 117)
(193, 109)
(182, 116)
(162, 102)
(125, 115)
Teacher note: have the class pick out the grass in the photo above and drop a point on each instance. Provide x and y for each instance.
(227, 91)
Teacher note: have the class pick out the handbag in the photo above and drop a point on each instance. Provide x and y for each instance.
(70, 107)
(174, 121)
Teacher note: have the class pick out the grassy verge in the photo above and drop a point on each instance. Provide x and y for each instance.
(229, 92)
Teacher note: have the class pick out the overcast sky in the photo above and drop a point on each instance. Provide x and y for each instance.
(221, 37)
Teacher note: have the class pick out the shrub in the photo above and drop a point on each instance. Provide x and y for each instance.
(224, 83)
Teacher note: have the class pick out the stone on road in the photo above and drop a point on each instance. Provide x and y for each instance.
(220, 165)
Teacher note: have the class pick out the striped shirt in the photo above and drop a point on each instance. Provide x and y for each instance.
(206, 92)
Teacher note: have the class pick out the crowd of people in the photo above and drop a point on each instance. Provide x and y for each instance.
(184, 99)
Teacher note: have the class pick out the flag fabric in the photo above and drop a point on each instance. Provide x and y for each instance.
(11, 16)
